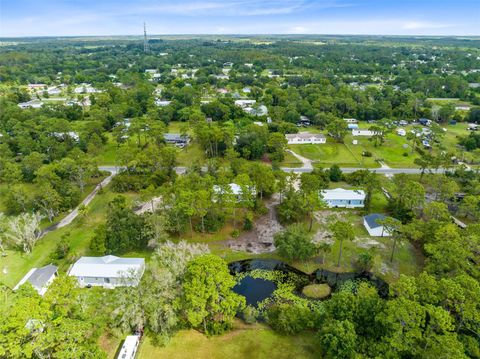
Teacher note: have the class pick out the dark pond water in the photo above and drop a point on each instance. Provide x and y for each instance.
(333, 279)
(255, 290)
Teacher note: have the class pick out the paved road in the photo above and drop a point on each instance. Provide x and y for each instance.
(379, 170)
(385, 171)
(73, 214)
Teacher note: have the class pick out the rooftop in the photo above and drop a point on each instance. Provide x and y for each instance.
(373, 219)
(106, 266)
(340, 193)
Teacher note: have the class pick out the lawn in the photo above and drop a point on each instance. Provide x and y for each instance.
(330, 153)
(244, 341)
(190, 155)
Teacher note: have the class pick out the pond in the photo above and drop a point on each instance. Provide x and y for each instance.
(255, 290)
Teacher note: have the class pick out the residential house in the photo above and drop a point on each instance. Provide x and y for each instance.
(401, 132)
(374, 228)
(462, 108)
(245, 103)
(162, 103)
(39, 278)
(108, 271)
(424, 121)
(345, 198)
(176, 139)
(30, 104)
(352, 126)
(304, 122)
(350, 120)
(305, 138)
(362, 132)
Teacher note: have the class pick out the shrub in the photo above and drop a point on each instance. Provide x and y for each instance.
(290, 318)
(367, 154)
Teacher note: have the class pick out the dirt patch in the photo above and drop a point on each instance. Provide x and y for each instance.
(148, 206)
(368, 242)
(260, 238)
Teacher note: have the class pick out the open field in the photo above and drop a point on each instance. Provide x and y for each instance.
(256, 342)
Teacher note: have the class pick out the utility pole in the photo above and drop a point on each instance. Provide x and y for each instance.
(145, 40)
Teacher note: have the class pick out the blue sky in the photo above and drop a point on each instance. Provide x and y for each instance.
(126, 17)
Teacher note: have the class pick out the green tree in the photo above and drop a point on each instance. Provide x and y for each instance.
(338, 340)
(342, 231)
(295, 243)
(208, 300)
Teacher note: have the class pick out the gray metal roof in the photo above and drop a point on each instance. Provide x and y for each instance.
(42, 275)
(372, 220)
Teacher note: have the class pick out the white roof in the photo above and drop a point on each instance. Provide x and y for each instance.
(106, 267)
(129, 347)
(340, 193)
(303, 135)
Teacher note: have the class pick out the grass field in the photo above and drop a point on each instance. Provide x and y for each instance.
(245, 341)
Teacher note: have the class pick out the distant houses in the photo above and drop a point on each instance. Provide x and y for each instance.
(39, 278)
(343, 198)
(108, 271)
(374, 228)
(305, 138)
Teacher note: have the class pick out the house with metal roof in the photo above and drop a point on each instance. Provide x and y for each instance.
(343, 198)
(39, 278)
(303, 138)
(108, 271)
(374, 228)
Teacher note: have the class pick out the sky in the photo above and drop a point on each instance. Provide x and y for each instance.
(164, 17)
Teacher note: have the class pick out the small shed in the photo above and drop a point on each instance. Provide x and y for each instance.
(374, 228)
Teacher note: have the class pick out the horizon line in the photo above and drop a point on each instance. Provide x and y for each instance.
(238, 34)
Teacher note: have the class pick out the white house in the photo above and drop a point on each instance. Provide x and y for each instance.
(245, 103)
(30, 104)
(374, 228)
(345, 198)
(162, 103)
(108, 271)
(39, 278)
(401, 132)
(350, 120)
(305, 138)
(360, 132)
(85, 88)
